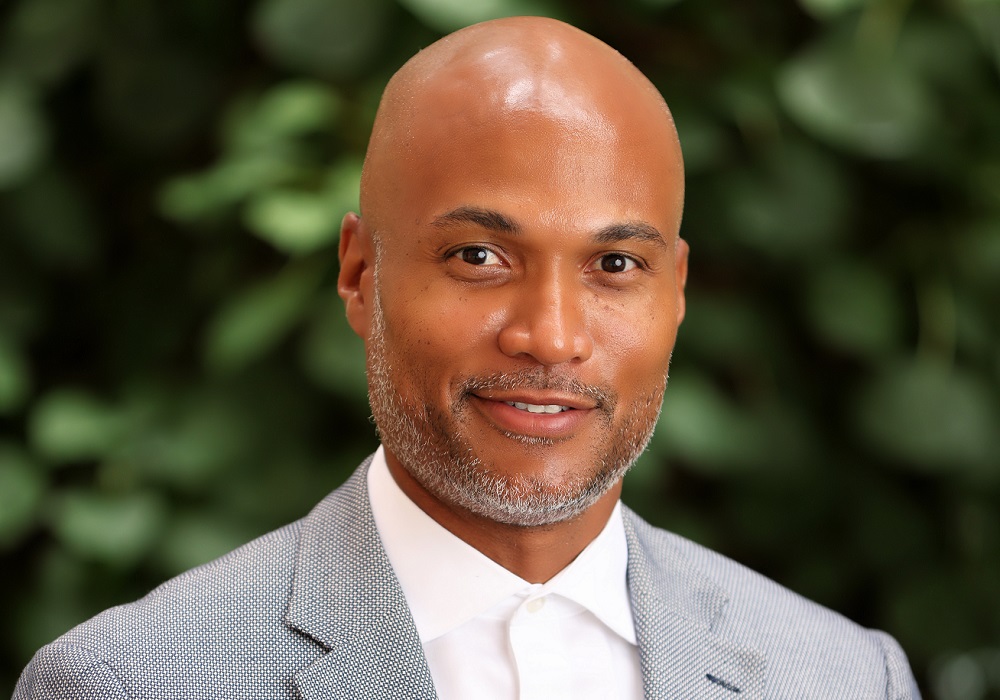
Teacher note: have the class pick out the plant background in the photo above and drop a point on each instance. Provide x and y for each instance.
(176, 376)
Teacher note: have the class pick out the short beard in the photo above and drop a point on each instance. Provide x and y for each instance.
(442, 461)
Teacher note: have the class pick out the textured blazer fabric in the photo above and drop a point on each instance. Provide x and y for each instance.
(313, 610)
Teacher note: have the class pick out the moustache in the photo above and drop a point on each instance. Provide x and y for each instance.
(539, 379)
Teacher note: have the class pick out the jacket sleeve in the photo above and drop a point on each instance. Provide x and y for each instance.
(900, 684)
(63, 671)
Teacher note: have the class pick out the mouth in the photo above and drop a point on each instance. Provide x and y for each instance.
(531, 406)
(538, 408)
(535, 417)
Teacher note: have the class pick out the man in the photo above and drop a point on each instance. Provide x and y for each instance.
(518, 278)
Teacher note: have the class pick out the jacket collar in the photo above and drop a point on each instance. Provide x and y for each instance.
(676, 607)
(346, 597)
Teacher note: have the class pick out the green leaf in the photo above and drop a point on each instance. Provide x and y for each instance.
(22, 485)
(293, 221)
(15, 377)
(333, 355)
(321, 37)
(723, 330)
(297, 222)
(68, 425)
(985, 181)
(703, 141)
(961, 676)
(792, 203)
(449, 15)
(706, 428)
(195, 538)
(54, 599)
(933, 418)
(854, 307)
(208, 194)
(156, 97)
(118, 530)
(264, 148)
(257, 319)
(828, 9)
(55, 222)
(22, 306)
(977, 254)
(342, 187)
(45, 39)
(24, 136)
(187, 441)
(983, 16)
(658, 4)
(288, 110)
(915, 610)
(865, 103)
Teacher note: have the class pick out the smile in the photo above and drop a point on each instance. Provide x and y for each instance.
(548, 417)
(538, 408)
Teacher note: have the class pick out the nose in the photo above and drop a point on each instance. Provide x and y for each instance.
(547, 323)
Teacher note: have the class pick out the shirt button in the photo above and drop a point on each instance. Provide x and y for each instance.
(535, 605)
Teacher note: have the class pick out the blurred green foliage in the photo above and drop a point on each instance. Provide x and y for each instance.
(176, 375)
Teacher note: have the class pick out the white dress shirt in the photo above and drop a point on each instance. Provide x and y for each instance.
(488, 633)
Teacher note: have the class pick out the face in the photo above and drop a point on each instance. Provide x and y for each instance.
(519, 304)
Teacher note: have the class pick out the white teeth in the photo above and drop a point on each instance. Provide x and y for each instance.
(538, 408)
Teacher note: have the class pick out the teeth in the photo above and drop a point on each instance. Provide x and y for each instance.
(538, 408)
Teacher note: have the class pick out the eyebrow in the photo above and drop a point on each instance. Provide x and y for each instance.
(630, 231)
(486, 218)
(495, 221)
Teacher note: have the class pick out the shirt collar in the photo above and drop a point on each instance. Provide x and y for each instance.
(447, 582)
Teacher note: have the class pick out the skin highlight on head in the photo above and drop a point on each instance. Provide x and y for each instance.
(518, 279)
(493, 75)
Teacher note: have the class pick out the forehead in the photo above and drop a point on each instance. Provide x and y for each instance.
(546, 124)
(544, 160)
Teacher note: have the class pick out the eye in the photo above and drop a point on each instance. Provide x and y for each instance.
(616, 262)
(477, 255)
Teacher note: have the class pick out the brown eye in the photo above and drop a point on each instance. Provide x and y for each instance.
(477, 255)
(616, 262)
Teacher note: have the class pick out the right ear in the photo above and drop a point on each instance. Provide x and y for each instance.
(357, 266)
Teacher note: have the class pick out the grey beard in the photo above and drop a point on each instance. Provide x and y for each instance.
(445, 465)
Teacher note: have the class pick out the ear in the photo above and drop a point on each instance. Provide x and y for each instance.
(357, 265)
(681, 250)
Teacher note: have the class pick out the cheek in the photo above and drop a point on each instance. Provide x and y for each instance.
(637, 336)
(441, 338)
(455, 324)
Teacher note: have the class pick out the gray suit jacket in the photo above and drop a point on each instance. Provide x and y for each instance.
(313, 610)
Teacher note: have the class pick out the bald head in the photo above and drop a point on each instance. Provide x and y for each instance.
(517, 249)
(528, 77)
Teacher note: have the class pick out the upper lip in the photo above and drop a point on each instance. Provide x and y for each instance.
(539, 398)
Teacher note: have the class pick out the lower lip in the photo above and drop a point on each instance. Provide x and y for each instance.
(519, 422)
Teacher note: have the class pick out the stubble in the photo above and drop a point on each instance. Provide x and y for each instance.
(436, 452)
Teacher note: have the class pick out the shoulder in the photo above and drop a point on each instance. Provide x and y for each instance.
(181, 634)
(216, 630)
(807, 647)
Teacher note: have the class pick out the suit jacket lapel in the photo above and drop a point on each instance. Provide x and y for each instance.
(346, 597)
(675, 607)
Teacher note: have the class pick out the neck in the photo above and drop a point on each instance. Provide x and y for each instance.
(535, 553)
